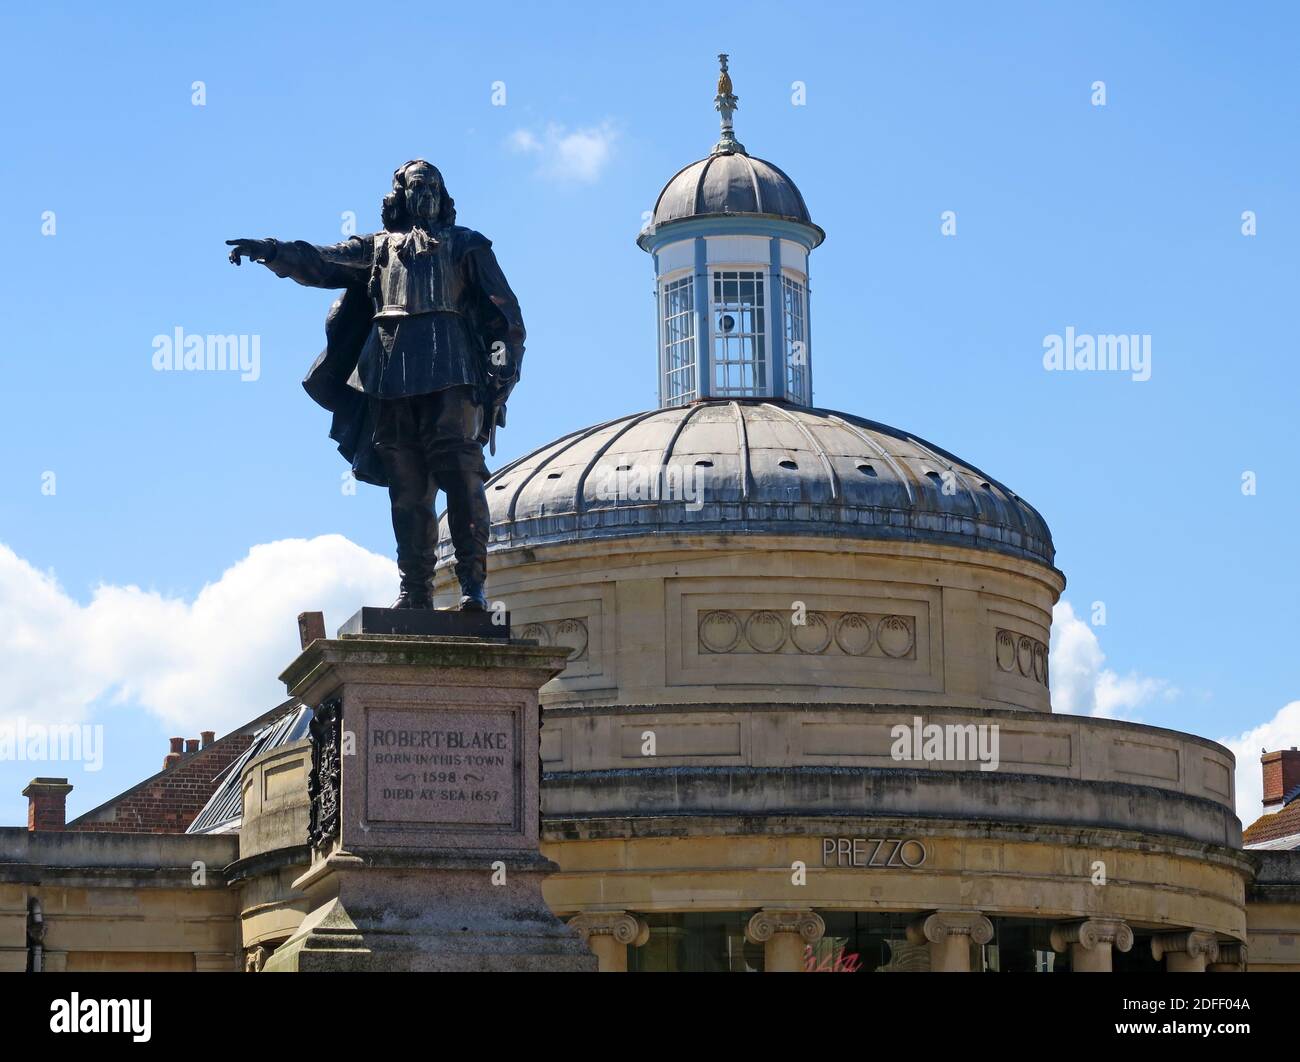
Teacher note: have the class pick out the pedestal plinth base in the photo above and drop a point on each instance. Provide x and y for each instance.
(430, 911)
(426, 622)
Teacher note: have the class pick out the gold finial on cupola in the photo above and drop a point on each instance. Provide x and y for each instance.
(726, 102)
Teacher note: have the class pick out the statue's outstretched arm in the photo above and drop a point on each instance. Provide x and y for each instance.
(340, 265)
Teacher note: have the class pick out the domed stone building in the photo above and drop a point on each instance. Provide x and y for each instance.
(806, 719)
(806, 713)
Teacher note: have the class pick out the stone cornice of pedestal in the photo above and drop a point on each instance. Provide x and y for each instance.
(415, 659)
(1193, 942)
(772, 920)
(939, 926)
(365, 859)
(1092, 932)
(623, 927)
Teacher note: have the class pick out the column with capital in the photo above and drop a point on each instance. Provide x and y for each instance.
(1091, 942)
(609, 934)
(1232, 958)
(1188, 952)
(784, 932)
(950, 935)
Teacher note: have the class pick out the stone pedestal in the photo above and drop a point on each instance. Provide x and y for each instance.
(425, 808)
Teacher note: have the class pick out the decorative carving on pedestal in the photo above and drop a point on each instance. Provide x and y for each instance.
(326, 731)
(623, 927)
(254, 959)
(1092, 933)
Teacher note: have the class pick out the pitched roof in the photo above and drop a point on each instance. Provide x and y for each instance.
(224, 811)
(1268, 830)
(168, 801)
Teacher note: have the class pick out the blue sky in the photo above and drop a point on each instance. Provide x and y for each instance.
(1123, 218)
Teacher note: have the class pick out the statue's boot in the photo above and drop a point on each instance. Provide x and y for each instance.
(468, 519)
(411, 490)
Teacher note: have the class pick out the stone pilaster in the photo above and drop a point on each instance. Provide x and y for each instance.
(1091, 943)
(1188, 952)
(950, 935)
(609, 934)
(784, 932)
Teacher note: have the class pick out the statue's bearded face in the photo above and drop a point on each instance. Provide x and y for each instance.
(423, 193)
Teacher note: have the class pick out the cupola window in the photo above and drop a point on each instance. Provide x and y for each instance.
(797, 387)
(679, 341)
(739, 330)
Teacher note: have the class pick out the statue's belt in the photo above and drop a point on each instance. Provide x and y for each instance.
(394, 314)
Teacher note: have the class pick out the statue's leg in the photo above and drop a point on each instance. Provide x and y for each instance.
(411, 492)
(456, 457)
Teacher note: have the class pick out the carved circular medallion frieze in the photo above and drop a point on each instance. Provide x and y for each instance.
(1006, 651)
(812, 636)
(1025, 655)
(894, 636)
(853, 633)
(765, 631)
(573, 633)
(536, 632)
(719, 631)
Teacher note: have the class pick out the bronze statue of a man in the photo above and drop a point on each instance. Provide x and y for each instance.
(422, 351)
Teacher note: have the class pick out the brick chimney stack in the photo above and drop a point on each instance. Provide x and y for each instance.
(1281, 775)
(174, 757)
(47, 803)
(191, 746)
(208, 736)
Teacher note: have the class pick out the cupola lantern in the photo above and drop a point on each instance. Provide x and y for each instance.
(730, 237)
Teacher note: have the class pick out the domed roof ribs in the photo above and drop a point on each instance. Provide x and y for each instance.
(667, 452)
(940, 460)
(814, 446)
(564, 443)
(628, 425)
(758, 190)
(742, 451)
(803, 207)
(869, 442)
(1017, 505)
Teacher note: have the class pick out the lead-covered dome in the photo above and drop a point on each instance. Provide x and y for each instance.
(755, 468)
(728, 184)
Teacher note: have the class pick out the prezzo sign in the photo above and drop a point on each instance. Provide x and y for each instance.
(877, 852)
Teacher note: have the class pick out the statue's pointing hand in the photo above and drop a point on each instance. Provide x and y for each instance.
(257, 250)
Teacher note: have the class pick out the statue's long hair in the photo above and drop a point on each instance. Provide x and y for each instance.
(396, 217)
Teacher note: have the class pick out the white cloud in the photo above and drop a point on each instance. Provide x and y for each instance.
(1280, 732)
(1082, 684)
(578, 155)
(206, 664)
